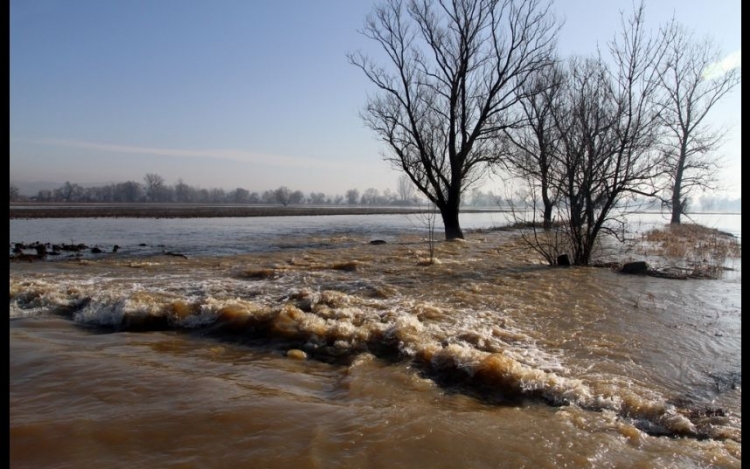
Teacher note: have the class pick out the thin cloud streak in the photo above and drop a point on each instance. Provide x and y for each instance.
(223, 154)
(730, 62)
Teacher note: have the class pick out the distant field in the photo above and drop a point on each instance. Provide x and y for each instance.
(184, 210)
(35, 210)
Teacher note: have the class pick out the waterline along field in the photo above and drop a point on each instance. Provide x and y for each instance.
(262, 342)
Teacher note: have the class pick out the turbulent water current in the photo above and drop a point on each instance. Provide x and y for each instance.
(299, 343)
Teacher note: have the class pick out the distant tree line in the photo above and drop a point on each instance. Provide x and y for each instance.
(154, 189)
(135, 192)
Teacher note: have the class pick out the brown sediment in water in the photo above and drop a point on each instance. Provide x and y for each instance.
(386, 300)
(452, 320)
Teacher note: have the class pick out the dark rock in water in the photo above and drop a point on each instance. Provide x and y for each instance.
(377, 241)
(41, 250)
(563, 259)
(175, 254)
(96, 250)
(115, 248)
(635, 268)
(71, 247)
(24, 257)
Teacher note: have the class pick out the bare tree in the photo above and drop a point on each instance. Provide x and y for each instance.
(44, 195)
(352, 196)
(387, 197)
(15, 194)
(217, 195)
(183, 192)
(371, 196)
(154, 186)
(586, 122)
(297, 197)
(69, 192)
(608, 123)
(405, 190)
(283, 195)
(693, 81)
(532, 145)
(239, 195)
(429, 219)
(94, 194)
(202, 195)
(553, 241)
(129, 191)
(99, 193)
(317, 198)
(455, 69)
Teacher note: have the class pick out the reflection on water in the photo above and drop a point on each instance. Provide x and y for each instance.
(347, 354)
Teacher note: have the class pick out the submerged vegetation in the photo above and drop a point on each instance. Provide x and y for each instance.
(696, 250)
(679, 251)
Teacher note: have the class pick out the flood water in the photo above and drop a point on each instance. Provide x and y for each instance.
(295, 342)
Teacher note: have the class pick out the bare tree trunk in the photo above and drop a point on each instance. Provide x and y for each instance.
(548, 206)
(453, 81)
(450, 221)
(692, 85)
(676, 199)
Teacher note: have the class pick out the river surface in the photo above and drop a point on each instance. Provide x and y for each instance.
(295, 342)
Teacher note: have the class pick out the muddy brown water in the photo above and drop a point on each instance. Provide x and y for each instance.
(360, 355)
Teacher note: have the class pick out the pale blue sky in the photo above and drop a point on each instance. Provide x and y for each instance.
(241, 93)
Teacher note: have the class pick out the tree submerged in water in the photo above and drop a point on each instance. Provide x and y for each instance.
(448, 95)
(601, 138)
(694, 78)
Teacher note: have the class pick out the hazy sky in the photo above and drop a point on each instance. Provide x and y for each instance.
(242, 93)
